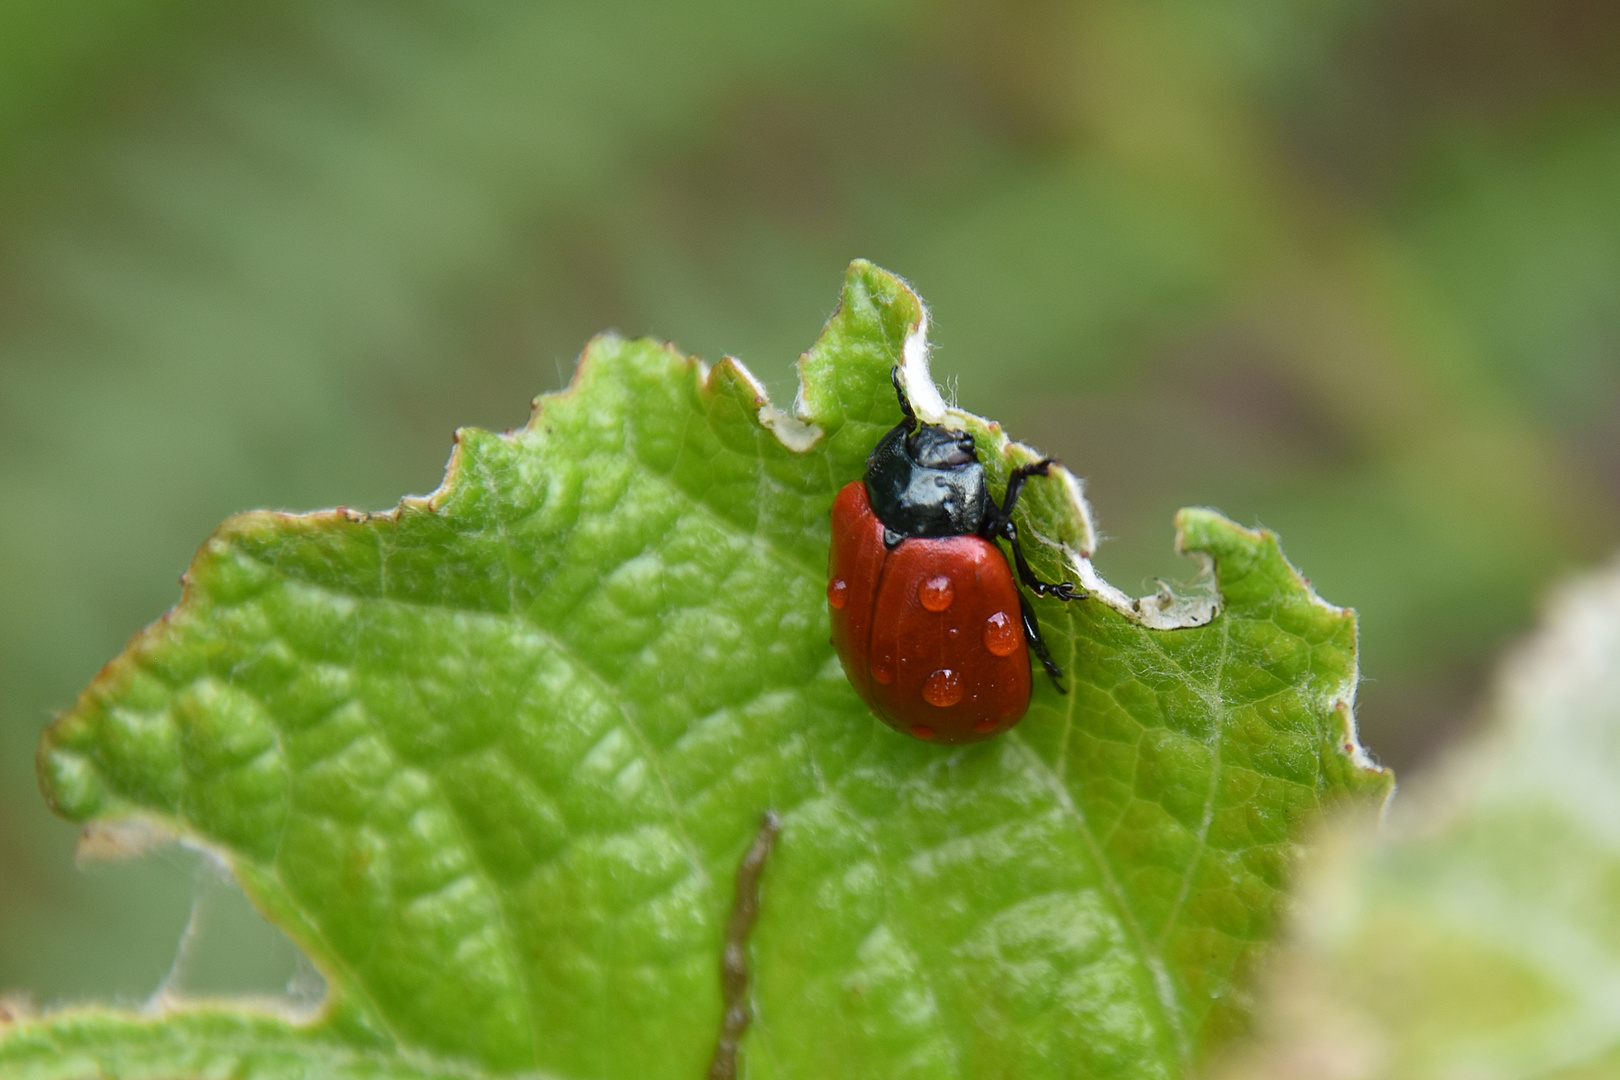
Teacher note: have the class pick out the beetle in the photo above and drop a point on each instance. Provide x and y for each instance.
(926, 616)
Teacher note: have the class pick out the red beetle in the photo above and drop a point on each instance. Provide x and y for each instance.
(926, 616)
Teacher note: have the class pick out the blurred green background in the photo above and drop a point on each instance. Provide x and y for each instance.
(1350, 270)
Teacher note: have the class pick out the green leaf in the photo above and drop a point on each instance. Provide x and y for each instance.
(1478, 934)
(492, 758)
(202, 1042)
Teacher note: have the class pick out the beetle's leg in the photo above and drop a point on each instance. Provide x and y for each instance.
(1015, 483)
(1032, 630)
(1003, 526)
(1064, 590)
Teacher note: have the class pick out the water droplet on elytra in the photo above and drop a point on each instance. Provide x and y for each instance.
(838, 593)
(936, 593)
(943, 688)
(922, 731)
(1001, 634)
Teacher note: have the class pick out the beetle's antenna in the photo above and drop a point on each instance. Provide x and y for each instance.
(905, 402)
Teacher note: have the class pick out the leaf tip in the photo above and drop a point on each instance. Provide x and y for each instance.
(1238, 552)
(879, 323)
(71, 784)
(1198, 528)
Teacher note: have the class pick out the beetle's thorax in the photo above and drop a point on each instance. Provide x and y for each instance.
(926, 481)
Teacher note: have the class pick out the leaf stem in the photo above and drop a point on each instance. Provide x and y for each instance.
(734, 960)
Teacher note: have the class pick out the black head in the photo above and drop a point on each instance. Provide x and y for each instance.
(926, 480)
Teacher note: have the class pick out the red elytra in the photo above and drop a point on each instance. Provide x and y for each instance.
(929, 631)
